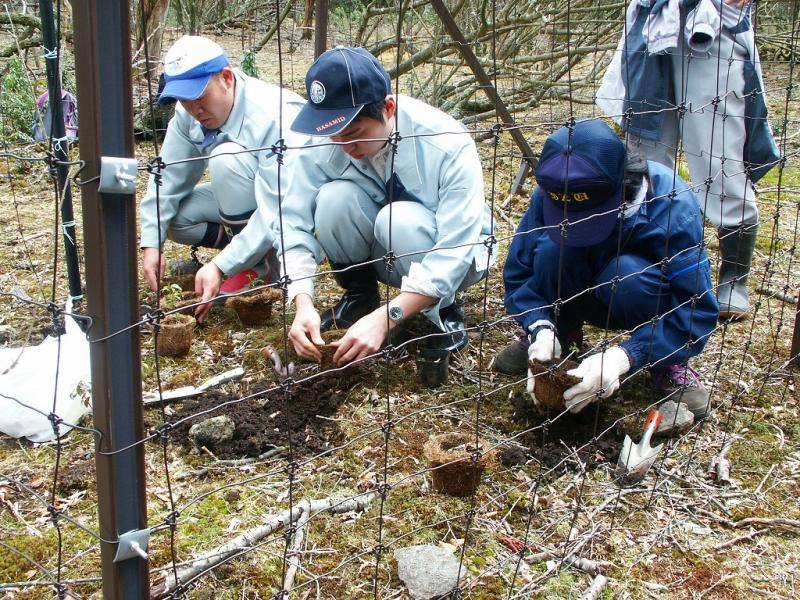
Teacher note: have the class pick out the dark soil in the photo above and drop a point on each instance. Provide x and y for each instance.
(78, 476)
(553, 443)
(261, 423)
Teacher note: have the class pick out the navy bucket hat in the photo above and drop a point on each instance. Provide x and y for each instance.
(339, 83)
(581, 172)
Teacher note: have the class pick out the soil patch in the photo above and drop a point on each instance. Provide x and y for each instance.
(262, 423)
(78, 476)
(551, 445)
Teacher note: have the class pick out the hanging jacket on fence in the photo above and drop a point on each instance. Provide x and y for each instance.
(640, 77)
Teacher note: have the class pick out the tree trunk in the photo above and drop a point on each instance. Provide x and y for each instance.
(150, 18)
(308, 20)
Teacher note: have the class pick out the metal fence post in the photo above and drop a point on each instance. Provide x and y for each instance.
(103, 73)
(57, 133)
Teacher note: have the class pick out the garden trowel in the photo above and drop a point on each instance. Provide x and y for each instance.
(636, 460)
(189, 391)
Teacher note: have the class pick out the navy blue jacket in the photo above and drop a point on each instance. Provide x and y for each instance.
(662, 227)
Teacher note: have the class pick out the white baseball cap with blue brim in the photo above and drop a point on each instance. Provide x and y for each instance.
(188, 66)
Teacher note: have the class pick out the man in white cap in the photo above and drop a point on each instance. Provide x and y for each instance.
(414, 218)
(222, 114)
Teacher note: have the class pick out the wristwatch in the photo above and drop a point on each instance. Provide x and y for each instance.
(396, 313)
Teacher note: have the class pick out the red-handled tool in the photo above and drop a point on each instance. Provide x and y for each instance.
(635, 460)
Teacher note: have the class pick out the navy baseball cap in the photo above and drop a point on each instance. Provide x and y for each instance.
(581, 173)
(339, 83)
(188, 66)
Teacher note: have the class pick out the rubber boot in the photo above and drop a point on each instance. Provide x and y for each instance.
(360, 298)
(736, 246)
(454, 337)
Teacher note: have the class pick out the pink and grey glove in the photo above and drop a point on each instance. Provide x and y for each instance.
(544, 347)
(598, 371)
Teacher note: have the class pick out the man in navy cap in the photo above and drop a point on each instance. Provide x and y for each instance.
(221, 114)
(394, 182)
(620, 248)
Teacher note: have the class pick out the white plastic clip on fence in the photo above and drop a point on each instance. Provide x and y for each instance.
(118, 175)
(133, 544)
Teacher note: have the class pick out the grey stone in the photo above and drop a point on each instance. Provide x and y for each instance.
(672, 426)
(213, 431)
(427, 571)
(5, 333)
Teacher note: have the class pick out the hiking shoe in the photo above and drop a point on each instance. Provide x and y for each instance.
(513, 359)
(238, 282)
(681, 383)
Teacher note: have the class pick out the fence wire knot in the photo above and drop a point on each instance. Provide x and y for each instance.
(163, 431)
(476, 455)
(283, 283)
(497, 129)
(384, 489)
(378, 550)
(279, 149)
(52, 163)
(289, 533)
(389, 259)
(395, 139)
(387, 427)
(49, 54)
(286, 385)
(154, 318)
(155, 167)
(55, 513)
(61, 589)
(172, 519)
(490, 242)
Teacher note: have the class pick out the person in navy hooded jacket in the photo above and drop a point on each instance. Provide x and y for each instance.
(620, 248)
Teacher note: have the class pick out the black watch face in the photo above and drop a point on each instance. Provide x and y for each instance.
(395, 313)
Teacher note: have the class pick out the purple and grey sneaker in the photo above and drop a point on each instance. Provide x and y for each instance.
(681, 383)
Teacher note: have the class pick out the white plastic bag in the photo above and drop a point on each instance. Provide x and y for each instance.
(28, 382)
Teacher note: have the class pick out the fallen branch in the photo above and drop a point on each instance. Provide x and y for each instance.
(720, 468)
(294, 548)
(582, 564)
(593, 591)
(245, 541)
(741, 538)
(764, 522)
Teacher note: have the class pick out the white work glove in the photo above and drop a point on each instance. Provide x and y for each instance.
(614, 363)
(543, 348)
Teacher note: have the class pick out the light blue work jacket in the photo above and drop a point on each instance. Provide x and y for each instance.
(436, 164)
(253, 123)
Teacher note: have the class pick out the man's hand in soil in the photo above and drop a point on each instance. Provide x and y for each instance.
(153, 266)
(364, 338)
(304, 332)
(206, 286)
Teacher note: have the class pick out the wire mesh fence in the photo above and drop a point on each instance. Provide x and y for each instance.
(326, 472)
